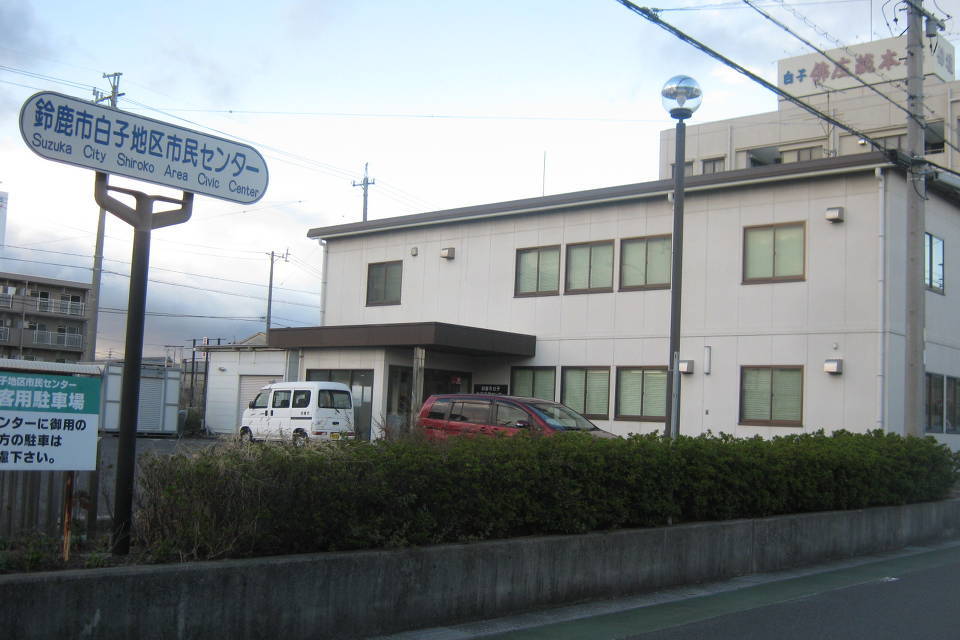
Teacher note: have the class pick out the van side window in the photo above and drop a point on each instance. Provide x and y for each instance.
(508, 415)
(260, 402)
(281, 399)
(327, 399)
(301, 399)
(473, 411)
(439, 410)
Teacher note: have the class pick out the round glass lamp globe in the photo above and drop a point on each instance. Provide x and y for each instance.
(681, 96)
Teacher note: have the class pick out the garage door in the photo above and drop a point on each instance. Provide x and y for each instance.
(249, 387)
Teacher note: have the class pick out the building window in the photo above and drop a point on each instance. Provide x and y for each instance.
(590, 267)
(935, 389)
(933, 138)
(952, 405)
(383, 283)
(586, 390)
(773, 253)
(645, 263)
(933, 262)
(713, 165)
(641, 393)
(893, 143)
(771, 396)
(687, 169)
(538, 271)
(943, 404)
(801, 155)
(533, 382)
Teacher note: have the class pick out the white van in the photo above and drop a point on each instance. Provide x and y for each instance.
(300, 411)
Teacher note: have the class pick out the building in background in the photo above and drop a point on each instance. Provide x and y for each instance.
(794, 286)
(234, 373)
(43, 319)
(791, 134)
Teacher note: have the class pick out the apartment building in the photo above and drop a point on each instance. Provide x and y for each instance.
(43, 318)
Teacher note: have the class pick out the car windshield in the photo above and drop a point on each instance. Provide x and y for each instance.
(561, 418)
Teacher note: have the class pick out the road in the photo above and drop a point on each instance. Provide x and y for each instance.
(912, 594)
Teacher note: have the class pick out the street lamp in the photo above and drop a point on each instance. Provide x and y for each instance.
(681, 96)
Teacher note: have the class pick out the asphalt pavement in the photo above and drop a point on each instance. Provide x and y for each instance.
(910, 594)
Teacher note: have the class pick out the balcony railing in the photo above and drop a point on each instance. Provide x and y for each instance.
(4, 334)
(58, 339)
(6, 301)
(59, 306)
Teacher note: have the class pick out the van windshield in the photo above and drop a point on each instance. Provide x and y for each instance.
(562, 418)
(327, 399)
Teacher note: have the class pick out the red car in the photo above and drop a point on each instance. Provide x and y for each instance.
(443, 416)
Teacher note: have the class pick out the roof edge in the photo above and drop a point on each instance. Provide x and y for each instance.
(726, 179)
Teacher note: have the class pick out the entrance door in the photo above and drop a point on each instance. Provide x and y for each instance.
(360, 382)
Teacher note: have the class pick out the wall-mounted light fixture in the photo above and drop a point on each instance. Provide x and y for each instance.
(686, 366)
(707, 359)
(833, 366)
(448, 253)
(414, 251)
(221, 368)
(834, 214)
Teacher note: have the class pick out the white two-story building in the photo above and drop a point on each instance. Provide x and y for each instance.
(793, 295)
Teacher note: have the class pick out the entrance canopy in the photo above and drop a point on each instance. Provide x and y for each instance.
(435, 336)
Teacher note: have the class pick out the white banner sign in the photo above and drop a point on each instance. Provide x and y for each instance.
(873, 62)
(65, 129)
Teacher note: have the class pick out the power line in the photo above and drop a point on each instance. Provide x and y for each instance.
(172, 284)
(185, 273)
(735, 4)
(918, 120)
(654, 18)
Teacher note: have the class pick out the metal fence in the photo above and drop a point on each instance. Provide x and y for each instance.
(32, 502)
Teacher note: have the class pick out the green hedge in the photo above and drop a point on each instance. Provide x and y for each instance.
(246, 500)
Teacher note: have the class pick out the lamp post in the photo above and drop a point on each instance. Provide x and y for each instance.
(681, 96)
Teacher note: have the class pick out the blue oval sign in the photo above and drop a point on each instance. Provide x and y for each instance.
(65, 129)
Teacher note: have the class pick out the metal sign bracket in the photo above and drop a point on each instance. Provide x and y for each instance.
(142, 217)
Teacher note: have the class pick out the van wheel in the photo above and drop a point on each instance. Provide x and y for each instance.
(246, 435)
(299, 439)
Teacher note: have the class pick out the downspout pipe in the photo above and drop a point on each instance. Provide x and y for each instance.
(881, 298)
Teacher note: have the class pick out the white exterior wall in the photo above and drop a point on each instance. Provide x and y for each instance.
(223, 387)
(833, 313)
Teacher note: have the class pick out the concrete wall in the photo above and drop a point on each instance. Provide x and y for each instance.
(353, 595)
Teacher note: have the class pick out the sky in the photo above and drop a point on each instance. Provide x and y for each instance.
(450, 103)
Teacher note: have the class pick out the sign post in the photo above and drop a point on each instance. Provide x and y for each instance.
(109, 141)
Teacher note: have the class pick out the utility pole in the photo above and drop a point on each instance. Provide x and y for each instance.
(273, 258)
(93, 301)
(365, 183)
(915, 322)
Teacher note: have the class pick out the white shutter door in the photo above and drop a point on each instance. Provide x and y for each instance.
(249, 387)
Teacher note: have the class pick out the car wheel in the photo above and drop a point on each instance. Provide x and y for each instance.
(299, 439)
(246, 435)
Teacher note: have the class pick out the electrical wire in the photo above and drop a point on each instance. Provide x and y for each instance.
(654, 18)
(919, 120)
(154, 268)
(172, 284)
